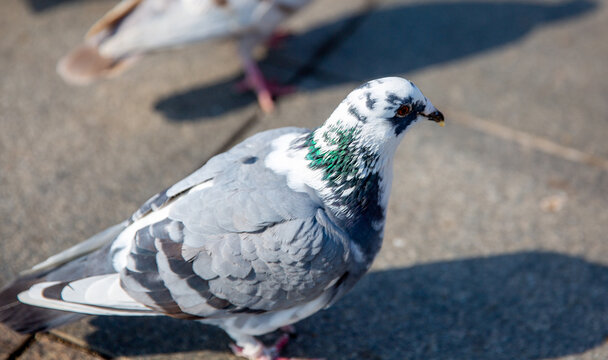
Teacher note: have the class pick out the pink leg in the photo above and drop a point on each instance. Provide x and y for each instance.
(277, 38)
(254, 80)
(279, 345)
(289, 329)
(267, 353)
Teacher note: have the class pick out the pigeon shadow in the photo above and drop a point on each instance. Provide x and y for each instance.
(205, 102)
(528, 305)
(39, 6)
(390, 40)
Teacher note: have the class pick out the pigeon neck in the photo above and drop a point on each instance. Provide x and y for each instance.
(357, 177)
(347, 159)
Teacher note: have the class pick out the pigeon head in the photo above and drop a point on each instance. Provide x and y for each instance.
(347, 163)
(389, 104)
(349, 158)
(371, 121)
(352, 152)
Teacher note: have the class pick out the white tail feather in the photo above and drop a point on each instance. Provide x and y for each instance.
(103, 290)
(97, 295)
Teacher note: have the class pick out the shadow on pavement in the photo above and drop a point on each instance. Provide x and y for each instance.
(529, 305)
(392, 40)
(205, 102)
(39, 6)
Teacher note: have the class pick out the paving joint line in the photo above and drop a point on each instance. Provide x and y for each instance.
(65, 340)
(528, 140)
(58, 338)
(303, 71)
(236, 136)
(306, 69)
(327, 46)
(22, 348)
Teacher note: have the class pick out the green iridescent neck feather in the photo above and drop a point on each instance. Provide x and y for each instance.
(339, 156)
(349, 169)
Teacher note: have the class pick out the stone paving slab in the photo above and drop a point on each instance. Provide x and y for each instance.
(512, 62)
(45, 348)
(73, 155)
(73, 159)
(280, 64)
(148, 337)
(316, 24)
(483, 161)
(10, 341)
(492, 250)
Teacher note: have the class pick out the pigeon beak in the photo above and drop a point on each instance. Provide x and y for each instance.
(436, 116)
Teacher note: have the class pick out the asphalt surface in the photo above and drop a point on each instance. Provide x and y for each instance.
(495, 245)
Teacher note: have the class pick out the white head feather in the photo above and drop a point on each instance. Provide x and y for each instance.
(367, 126)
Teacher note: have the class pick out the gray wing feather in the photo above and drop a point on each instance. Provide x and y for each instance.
(247, 244)
(218, 163)
(211, 169)
(155, 24)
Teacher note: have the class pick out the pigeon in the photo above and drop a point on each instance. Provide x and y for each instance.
(268, 233)
(136, 27)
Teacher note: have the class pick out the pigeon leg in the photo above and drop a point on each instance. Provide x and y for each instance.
(258, 352)
(289, 330)
(277, 39)
(261, 352)
(249, 347)
(254, 80)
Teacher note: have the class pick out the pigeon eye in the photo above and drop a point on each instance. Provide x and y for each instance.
(403, 111)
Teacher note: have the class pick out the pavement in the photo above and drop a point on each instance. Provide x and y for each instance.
(495, 245)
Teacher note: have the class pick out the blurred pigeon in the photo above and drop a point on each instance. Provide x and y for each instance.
(263, 235)
(135, 27)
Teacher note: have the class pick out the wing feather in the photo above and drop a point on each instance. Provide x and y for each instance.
(155, 24)
(244, 243)
(113, 17)
(97, 295)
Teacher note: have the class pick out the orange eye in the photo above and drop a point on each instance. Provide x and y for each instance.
(403, 111)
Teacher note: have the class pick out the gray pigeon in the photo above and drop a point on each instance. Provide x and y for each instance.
(136, 27)
(263, 235)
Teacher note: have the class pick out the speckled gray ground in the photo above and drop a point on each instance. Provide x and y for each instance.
(495, 246)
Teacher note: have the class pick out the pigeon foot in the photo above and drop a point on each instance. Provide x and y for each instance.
(261, 352)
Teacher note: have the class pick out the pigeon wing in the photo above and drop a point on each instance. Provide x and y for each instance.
(244, 243)
(153, 24)
(212, 168)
